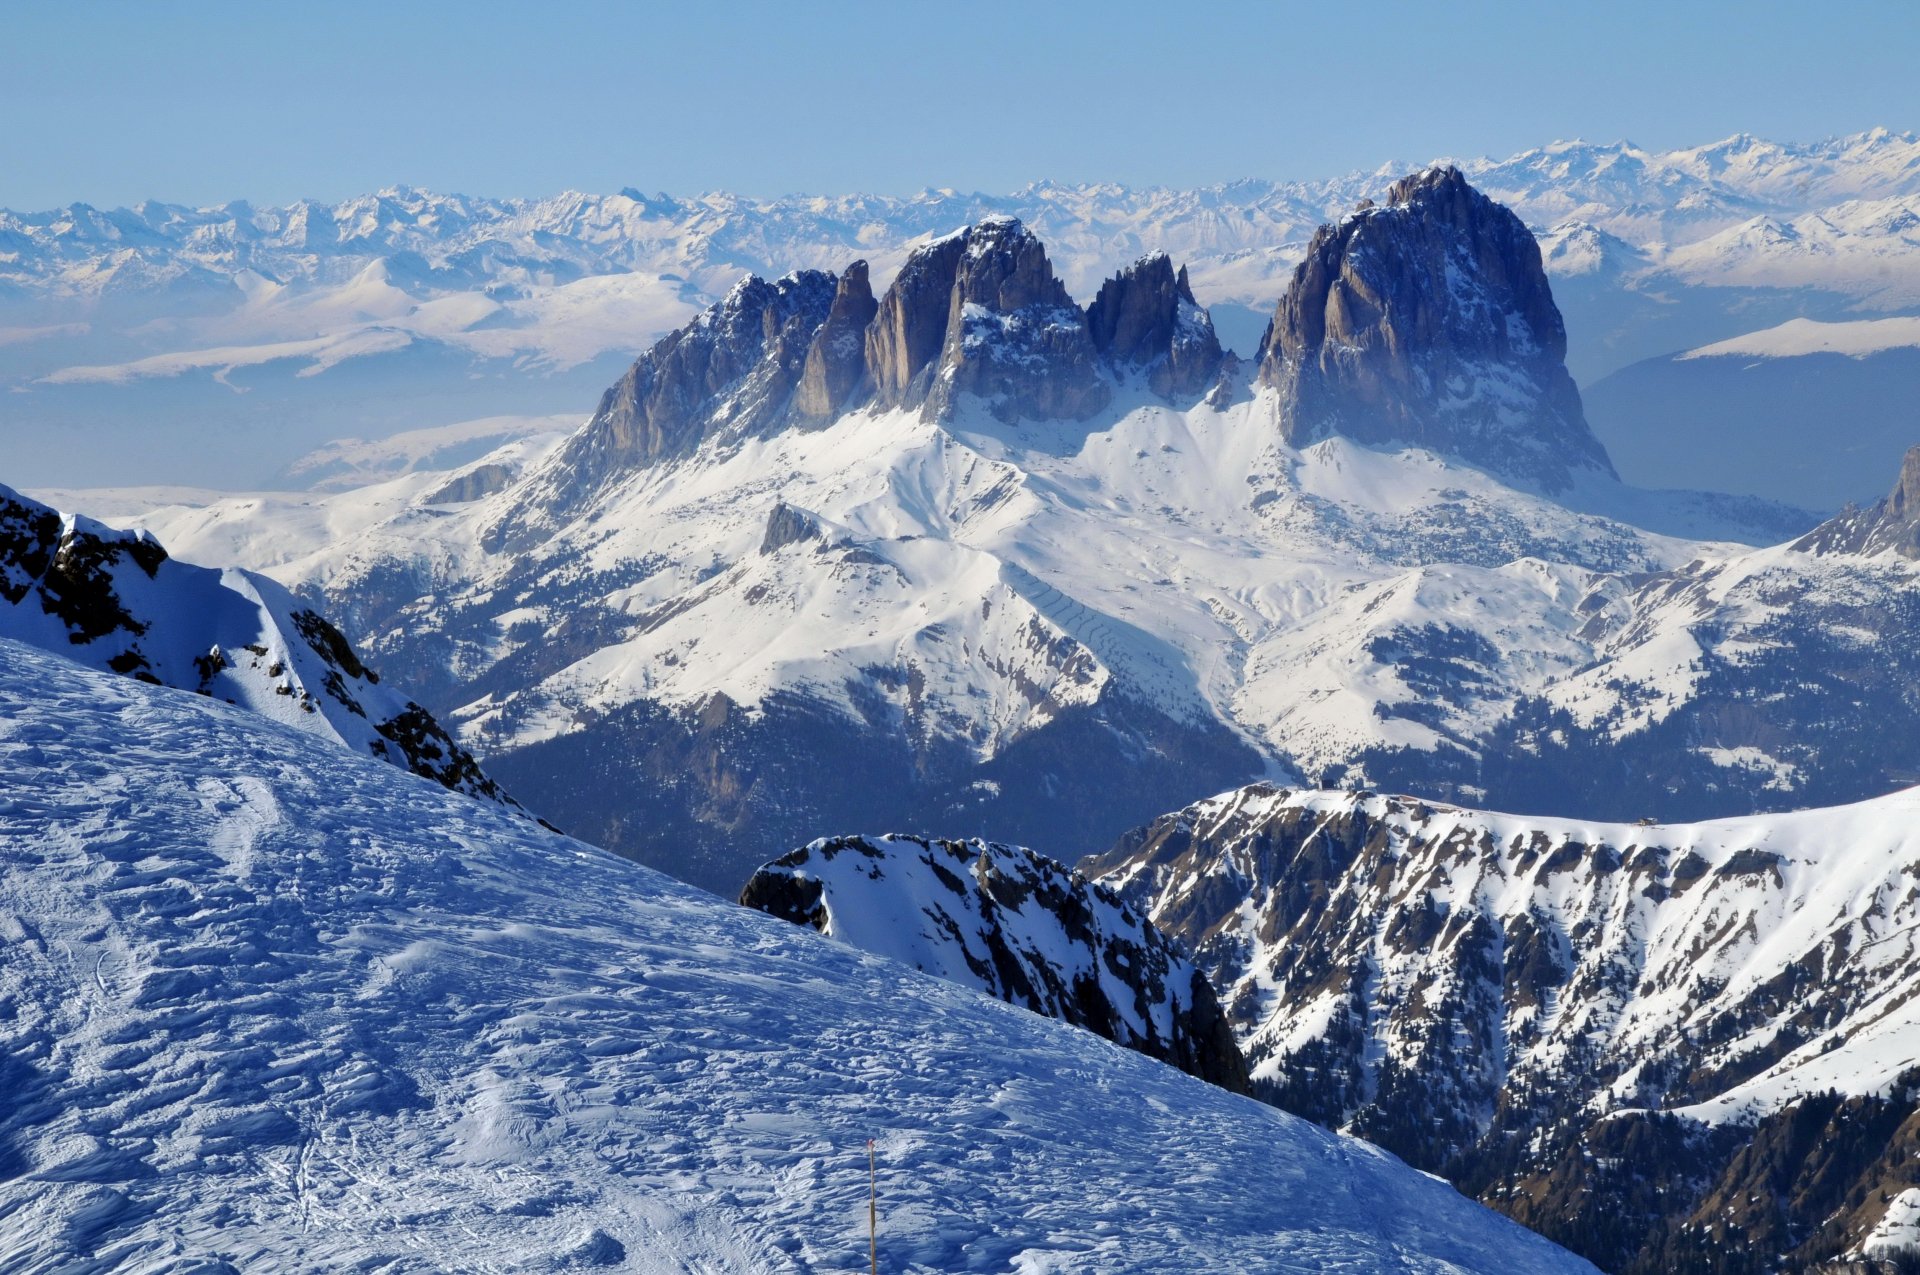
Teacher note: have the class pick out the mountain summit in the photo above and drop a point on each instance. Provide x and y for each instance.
(1429, 321)
(1889, 525)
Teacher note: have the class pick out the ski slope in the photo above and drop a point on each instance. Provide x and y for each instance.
(268, 1005)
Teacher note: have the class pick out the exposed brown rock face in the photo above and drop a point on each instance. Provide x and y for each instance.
(836, 363)
(734, 368)
(1145, 318)
(1889, 526)
(1429, 322)
(981, 313)
(910, 327)
(787, 525)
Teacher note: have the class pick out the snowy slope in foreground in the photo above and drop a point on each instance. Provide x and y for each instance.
(269, 1005)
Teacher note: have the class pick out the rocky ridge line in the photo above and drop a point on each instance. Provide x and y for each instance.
(1015, 925)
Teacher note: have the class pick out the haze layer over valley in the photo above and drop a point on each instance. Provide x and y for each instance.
(169, 332)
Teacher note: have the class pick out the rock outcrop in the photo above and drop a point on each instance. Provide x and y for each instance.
(114, 600)
(1145, 319)
(1890, 526)
(1014, 925)
(980, 312)
(1428, 322)
(787, 525)
(836, 366)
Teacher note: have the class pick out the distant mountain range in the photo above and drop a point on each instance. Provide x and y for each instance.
(171, 331)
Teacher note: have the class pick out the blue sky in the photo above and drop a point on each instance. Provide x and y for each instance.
(111, 102)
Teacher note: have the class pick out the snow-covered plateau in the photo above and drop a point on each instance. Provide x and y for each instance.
(271, 1006)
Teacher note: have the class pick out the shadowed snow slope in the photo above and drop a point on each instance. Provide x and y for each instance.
(269, 1005)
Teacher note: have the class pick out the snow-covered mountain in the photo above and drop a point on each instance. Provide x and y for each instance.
(173, 331)
(115, 600)
(273, 1006)
(1674, 1047)
(1015, 925)
(784, 580)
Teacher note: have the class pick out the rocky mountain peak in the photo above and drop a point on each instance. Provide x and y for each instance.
(1428, 321)
(733, 370)
(1145, 317)
(1005, 269)
(732, 367)
(1891, 525)
(981, 312)
(1904, 502)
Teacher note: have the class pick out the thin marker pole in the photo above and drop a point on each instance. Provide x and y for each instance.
(873, 1213)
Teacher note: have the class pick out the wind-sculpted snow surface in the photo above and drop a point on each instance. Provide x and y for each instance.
(1015, 925)
(1485, 993)
(115, 600)
(273, 1007)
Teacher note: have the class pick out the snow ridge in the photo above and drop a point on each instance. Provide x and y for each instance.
(115, 600)
(1016, 926)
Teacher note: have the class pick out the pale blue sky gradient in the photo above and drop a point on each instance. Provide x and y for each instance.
(111, 103)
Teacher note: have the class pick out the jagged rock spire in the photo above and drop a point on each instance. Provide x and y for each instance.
(836, 365)
(1145, 317)
(1428, 321)
(1891, 525)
